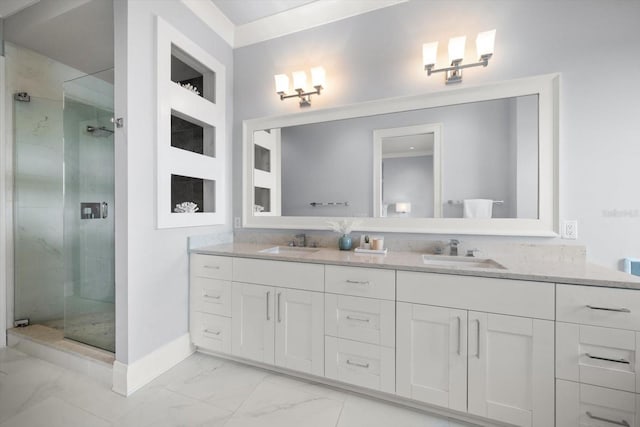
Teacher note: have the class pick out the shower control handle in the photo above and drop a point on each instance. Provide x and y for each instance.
(104, 209)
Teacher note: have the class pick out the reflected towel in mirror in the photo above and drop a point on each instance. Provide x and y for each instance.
(477, 208)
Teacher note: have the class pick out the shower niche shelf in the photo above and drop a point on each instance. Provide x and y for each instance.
(192, 160)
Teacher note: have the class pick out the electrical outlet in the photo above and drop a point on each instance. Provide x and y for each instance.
(236, 222)
(570, 229)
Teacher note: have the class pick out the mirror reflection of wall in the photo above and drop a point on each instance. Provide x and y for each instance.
(489, 151)
(407, 176)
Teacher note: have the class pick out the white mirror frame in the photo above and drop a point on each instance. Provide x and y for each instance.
(546, 86)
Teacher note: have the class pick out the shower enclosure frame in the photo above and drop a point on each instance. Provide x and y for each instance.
(6, 215)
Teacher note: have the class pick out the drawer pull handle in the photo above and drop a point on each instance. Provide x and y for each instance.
(212, 296)
(606, 420)
(216, 333)
(212, 267)
(359, 364)
(357, 282)
(607, 359)
(359, 319)
(619, 310)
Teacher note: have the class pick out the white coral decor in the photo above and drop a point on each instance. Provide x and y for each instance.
(343, 227)
(186, 207)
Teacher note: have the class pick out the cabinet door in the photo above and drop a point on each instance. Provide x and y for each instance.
(432, 355)
(252, 321)
(511, 369)
(299, 320)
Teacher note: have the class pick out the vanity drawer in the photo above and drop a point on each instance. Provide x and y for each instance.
(211, 332)
(599, 356)
(591, 305)
(211, 296)
(502, 296)
(580, 405)
(360, 319)
(212, 266)
(364, 365)
(362, 282)
(296, 275)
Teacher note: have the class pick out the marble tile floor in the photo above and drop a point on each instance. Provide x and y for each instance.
(201, 391)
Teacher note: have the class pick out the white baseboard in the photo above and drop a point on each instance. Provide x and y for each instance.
(129, 378)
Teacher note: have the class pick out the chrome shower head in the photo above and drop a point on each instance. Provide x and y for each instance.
(99, 132)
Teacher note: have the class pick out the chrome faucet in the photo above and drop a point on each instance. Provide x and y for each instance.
(453, 244)
(300, 240)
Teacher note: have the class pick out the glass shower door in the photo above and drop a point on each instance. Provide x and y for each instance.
(89, 247)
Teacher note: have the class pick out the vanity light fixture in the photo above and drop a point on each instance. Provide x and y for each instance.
(300, 84)
(484, 46)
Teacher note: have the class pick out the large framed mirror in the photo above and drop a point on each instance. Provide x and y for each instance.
(469, 160)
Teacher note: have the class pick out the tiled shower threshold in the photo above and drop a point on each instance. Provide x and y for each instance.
(49, 344)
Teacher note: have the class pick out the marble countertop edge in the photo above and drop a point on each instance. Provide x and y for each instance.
(572, 273)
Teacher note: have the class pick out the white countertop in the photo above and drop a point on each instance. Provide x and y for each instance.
(519, 268)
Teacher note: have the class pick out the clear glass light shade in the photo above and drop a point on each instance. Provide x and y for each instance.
(318, 75)
(299, 80)
(485, 42)
(456, 48)
(429, 53)
(282, 83)
(403, 207)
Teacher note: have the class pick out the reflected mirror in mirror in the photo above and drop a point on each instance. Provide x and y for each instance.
(471, 160)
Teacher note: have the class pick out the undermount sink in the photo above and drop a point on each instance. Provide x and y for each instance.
(288, 250)
(458, 261)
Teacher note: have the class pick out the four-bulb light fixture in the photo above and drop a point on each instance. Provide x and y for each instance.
(484, 46)
(300, 85)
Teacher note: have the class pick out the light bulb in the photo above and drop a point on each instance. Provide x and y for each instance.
(429, 53)
(318, 75)
(485, 43)
(282, 83)
(299, 80)
(456, 48)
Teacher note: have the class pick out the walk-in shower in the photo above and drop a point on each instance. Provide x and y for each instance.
(63, 204)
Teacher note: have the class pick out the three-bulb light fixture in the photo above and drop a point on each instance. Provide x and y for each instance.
(484, 45)
(300, 85)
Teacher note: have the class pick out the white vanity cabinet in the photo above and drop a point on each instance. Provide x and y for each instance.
(210, 302)
(597, 362)
(360, 326)
(282, 326)
(498, 366)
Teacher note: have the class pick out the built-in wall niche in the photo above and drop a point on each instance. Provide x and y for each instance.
(190, 136)
(262, 199)
(186, 189)
(192, 161)
(262, 158)
(192, 75)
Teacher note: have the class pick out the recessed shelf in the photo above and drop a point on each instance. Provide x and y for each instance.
(262, 158)
(196, 190)
(262, 199)
(185, 71)
(190, 136)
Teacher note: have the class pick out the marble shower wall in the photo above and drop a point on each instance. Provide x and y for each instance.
(38, 241)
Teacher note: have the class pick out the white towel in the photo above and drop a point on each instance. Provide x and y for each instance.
(477, 208)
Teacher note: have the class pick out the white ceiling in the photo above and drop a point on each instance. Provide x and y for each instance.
(61, 33)
(9, 7)
(242, 12)
(420, 144)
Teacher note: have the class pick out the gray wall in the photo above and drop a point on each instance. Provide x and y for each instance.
(378, 55)
(409, 179)
(152, 277)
